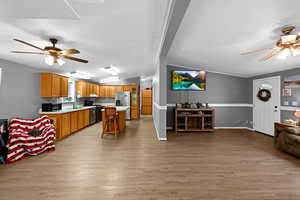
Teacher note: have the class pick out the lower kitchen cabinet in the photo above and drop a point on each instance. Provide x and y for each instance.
(65, 125)
(68, 123)
(86, 117)
(80, 121)
(74, 121)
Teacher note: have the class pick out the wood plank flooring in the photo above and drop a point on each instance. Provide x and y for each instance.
(227, 164)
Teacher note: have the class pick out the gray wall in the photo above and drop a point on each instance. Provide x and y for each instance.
(220, 89)
(19, 91)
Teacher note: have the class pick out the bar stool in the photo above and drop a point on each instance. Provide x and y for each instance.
(112, 118)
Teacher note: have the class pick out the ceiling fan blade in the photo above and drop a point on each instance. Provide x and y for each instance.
(75, 59)
(29, 44)
(273, 53)
(255, 51)
(28, 52)
(69, 51)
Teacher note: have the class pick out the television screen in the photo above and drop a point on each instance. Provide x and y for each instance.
(188, 80)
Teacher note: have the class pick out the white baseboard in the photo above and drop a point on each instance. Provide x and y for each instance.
(157, 133)
(163, 139)
(223, 127)
(242, 127)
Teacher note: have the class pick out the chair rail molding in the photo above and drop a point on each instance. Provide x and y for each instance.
(160, 107)
(222, 105)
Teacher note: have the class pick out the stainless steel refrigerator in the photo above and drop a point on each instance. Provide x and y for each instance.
(123, 99)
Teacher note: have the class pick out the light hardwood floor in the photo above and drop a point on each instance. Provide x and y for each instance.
(227, 164)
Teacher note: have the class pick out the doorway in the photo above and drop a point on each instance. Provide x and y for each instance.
(266, 104)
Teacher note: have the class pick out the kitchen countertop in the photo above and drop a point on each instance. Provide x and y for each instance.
(120, 108)
(66, 110)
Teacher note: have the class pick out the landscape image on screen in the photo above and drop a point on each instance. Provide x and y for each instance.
(188, 80)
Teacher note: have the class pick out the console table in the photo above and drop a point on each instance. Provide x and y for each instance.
(194, 119)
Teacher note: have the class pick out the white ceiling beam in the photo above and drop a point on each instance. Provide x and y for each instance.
(175, 13)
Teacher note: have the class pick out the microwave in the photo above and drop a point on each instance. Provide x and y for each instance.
(49, 107)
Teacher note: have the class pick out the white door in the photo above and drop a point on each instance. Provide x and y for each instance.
(266, 109)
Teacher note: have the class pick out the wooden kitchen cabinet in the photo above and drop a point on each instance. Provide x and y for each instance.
(101, 91)
(56, 85)
(81, 89)
(88, 89)
(135, 100)
(112, 90)
(68, 123)
(57, 122)
(80, 121)
(65, 125)
(86, 118)
(96, 90)
(53, 85)
(147, 102)
(74, 121)
(64, 86)
(118, 88)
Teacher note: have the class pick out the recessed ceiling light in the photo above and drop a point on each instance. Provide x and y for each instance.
(111, 70)
(109, 79)
(78, 74)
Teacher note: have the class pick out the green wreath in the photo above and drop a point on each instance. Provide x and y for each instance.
(264, 95)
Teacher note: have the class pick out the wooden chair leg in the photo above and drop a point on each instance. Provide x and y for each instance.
(103, 129)
(115, 128)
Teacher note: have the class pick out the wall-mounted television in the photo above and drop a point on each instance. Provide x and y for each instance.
(183, 80)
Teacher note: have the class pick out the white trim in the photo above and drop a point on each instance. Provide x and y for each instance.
(289, 108)
(160, 107)
(222, 105)
(231, 105)
(157, 133)
(242, 127)
(167, 18)
(163, 139)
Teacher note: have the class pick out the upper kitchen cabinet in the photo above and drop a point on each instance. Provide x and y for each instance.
(97, 90)
(53, 85)
(101, 91)
(81, 89)
(87, 89)
(119, 88)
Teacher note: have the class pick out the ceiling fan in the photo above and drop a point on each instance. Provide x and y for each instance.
(288, 44)
(53, 54)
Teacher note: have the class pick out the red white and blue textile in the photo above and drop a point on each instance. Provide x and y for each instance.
(21, 144)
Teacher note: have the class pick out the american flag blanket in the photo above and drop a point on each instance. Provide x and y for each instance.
(21, 144)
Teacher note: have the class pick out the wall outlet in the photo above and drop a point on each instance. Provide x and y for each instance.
(285, 103)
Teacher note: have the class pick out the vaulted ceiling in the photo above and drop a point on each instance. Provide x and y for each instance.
(214, 33)
(125, 34)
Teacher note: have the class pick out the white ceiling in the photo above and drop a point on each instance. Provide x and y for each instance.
(214, 33)
(122, 33)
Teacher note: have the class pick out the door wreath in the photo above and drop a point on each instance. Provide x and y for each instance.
(264, 95)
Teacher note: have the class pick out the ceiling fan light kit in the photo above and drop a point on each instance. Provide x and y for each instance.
(287, 45)
(53, 55)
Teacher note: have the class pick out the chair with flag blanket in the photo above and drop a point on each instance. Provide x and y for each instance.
(29, 138)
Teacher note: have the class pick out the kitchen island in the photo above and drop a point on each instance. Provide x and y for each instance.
(121, 110)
